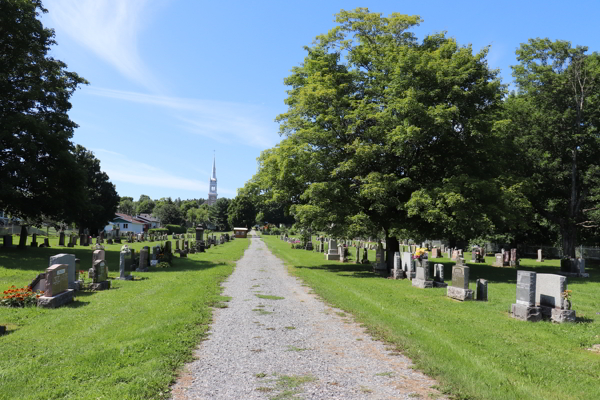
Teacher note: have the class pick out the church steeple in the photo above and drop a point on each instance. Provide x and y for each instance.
(212, 192)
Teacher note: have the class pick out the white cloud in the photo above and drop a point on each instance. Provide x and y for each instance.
(121, 169)
(109, 28)
(225, 122)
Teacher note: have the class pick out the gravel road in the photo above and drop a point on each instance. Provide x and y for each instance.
(293, 346)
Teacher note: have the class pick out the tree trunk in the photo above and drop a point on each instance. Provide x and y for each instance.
(391, 246)
(23, 237)
(568, 232)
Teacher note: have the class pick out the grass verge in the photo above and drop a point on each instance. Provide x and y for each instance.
(474, 349)
(124, 343)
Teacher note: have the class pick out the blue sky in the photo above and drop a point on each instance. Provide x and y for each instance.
(172, 81)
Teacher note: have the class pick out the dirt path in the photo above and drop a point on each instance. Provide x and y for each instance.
(291, 346)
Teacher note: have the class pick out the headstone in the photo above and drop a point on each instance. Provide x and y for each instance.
(342, 253)
(61, 239)
(398, 272)
(332, 251)
(57, 280)
(421, 279)
(46, 242)
(176, 245)
(454, 255)
(482, 290)
(514, 261)
(524, 308)
(460, 284)
(581, 267)
(34, 240)
(549, 289)
(499, 260)
(539, 258)
(124, 272)
(365, 257)
(97, 255)
(435, 253)
(143, 265)
(438, 273)
(380, 265)
(69, 261)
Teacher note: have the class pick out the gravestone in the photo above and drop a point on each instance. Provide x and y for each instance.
(124, 272)
(499, 260)
(539, 258)
(398, 272)
(435, 253)
(460, 284)
(549, 297)
(332, 251)
(69, 261)
(143, 265)
(482, 290)
(365, 257)
(581, 268)
(408, 264)
(61, 239)
(380, 266)
(421, 279)
(455, 255)
(342, 253)
(309, 245)
(7, 241)
(514, 261)
(56, 292)
(34, 240)
(176, 245)
(524, 308)
(438, 275)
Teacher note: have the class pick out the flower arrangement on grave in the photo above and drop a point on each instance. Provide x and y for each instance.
(420, 253)
(163, 264)
(20, 297)
(567, 296)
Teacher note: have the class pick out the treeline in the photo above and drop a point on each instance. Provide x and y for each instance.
(390, 136)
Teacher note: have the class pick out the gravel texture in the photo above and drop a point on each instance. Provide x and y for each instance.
(292, 348)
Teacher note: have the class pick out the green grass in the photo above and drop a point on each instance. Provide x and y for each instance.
(474, 349)
(269, 297)
(124, 343)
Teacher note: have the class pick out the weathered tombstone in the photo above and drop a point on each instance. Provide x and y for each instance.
(365, 257)
(124, 272)
(56, 292)
(309, 245)
(482, 290)
(499, 260)
(514, 261)
(438, 275)
(460, 284)
(34, 242)
(524, 308)
(97, 255)
(143, 265)
(357, 258)
(421, 279)
(398, 272)
(408, 264)
(435, 253)
(581, 268)
(61, 239)
(539, 258)
(455, 255)
(380, 266)
(168, 247)
(342, 253)
(46, 242)
(549, 290)
(69, 261)
(332, 251)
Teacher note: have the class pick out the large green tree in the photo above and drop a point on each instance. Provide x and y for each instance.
(38, 172)
(395, 139)
(100, 201)
(218, 214)
(241, 211)
(553, 124)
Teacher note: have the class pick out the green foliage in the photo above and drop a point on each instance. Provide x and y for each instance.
(175, 229)
(126, 206)
(145, 207)
(218, 214)
(241, 212)
(168, 214)
(551, 131)
(100, 201)
(39, 173)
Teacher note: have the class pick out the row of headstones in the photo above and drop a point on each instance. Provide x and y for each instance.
(542, 296)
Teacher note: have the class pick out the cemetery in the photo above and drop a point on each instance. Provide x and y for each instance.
(96, 334)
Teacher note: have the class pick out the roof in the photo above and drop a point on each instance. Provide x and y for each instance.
(130, 219)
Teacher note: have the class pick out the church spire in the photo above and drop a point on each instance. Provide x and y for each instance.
(214, 174)
(212, 192)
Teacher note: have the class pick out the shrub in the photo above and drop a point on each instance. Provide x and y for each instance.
(163, 264)
(175, 229)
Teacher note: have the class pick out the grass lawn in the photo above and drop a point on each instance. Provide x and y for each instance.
(123, 343)
(474, 349)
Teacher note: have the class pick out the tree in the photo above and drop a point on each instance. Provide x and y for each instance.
(554, 120)
(241, 211)
(373, 141)
(126, 206)
(145, 207)
(101, 199)
(38, 173)
(168, 213)
(218, 214)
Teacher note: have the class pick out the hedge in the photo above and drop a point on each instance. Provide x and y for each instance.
(175, 229)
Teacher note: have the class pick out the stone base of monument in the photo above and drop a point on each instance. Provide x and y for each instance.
(558, 315)
(526, 313)
(439, 284)
(125, 278)
(76, 285)
(332, 257)
(421, 284)
(104, 285)
(56, 301)
(460, 293)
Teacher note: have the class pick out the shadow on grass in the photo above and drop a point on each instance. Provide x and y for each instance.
(357, 270)
(76, 304)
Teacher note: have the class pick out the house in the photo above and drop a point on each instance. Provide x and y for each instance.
(126, 223)
(152, 222)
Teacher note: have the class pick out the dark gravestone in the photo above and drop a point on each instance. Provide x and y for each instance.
(57, 280)
(61, 239)
(526, 282)
(7, 241)
(143, 265)
(46, 242)
(482, 289)
(23, 237)
(34, 242)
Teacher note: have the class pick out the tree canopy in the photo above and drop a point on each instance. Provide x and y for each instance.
(38, 171)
